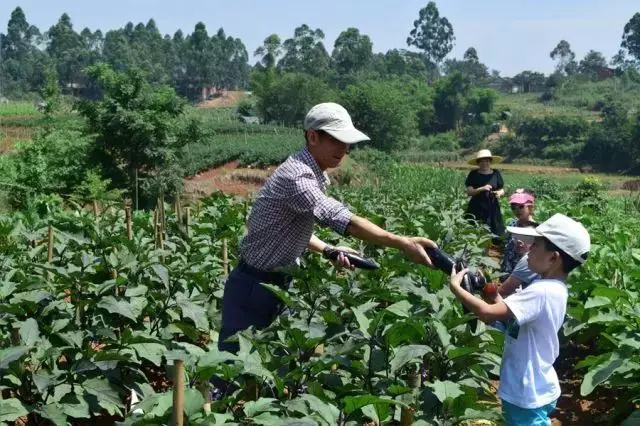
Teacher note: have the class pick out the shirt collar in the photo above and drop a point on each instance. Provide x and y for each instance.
(307, 158)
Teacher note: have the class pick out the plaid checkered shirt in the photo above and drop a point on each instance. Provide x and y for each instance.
(284, 213)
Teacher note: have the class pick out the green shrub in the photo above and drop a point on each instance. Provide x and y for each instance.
(545, 186)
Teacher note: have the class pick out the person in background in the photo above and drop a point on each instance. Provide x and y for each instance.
(522, 204)
(485, 187)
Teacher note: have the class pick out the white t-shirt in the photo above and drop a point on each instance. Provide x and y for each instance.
(527, 376)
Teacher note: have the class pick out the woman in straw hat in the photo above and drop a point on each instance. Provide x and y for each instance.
(485, 187)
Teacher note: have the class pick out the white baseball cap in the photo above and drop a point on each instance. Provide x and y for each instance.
(567, 234)
(336, 121)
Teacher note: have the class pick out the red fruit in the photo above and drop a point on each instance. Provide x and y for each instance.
(490, 290)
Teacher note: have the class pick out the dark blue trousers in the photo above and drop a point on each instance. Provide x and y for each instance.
(247, 303)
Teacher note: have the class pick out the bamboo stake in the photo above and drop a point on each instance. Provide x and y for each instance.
(225, 258)
(50, 250)
(127, 212)
(178, 394)
(179, 210)
(188, 218)
(50, 244)
(155, 227)
(96, 210)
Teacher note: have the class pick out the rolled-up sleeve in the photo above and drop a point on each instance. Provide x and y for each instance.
(306, 196)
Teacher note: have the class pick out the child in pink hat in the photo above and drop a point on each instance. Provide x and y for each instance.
(522, 204)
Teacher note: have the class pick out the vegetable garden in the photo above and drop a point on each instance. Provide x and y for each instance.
(96, 311)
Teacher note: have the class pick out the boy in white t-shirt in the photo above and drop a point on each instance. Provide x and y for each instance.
(529, 386)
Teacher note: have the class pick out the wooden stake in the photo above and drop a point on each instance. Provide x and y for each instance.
(179, 210)
(162, 212)
(96, 210)
(188, 218)
(225, 258)
(178, 393)
(127, 213)
(155, 227)
(50, 244)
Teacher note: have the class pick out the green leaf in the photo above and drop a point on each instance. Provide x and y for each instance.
(363, 321)
(406, 354)
(353, 403)
(156, 405)
(329, 413)
(107, 396)
(73, 405)
(7, 356)
(54, 413)
(282, 295)
(140, 290)
(42, 379)
(606, 317)
(120, 307)
(11, 409)
(59, 325)
(267, 419)
(443, 333)
(193, 401)
(401, 309)
(445, 390)
(251, 408)
(370, 412)
(150, 351)
(29, 332)
(194, 312)
(594, 302)
(74, 338)
(600, 373)
(7, 288)
(461, 351)
(161, 272)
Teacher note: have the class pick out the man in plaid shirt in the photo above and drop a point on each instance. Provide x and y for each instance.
(280, 227)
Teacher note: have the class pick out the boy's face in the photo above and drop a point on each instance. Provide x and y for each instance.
(540, 259)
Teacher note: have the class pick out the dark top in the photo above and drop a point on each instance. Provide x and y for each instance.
(484, 207)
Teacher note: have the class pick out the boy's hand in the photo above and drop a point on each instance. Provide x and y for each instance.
(456, 278)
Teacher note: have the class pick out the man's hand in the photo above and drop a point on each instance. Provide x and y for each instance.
(342, 261)
(414, 248)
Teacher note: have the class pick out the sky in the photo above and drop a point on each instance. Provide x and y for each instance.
(509, 35)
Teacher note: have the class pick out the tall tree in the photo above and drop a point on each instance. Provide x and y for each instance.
(65, 46)
(631, 36)
(565, 57)
(470, 67)
(432, 34)
(270, 51)
(471, 55)
(305, 52)
(352, 51)
(22, 64)
(592, 63)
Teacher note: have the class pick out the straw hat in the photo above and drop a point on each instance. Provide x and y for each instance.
(485, 153)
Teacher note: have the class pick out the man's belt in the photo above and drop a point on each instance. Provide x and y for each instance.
(281, 279)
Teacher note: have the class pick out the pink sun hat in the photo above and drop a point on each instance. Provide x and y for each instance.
(521, 197)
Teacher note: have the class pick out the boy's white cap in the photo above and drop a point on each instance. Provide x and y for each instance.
(567, 234)
(334, 119)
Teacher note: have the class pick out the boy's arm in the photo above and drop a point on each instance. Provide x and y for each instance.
(486, 312)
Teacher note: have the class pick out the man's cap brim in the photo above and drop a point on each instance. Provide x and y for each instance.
(348, 136)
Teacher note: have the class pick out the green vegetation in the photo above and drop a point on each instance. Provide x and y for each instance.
(102, 304)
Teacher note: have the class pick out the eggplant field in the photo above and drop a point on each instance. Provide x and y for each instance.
(113, 315)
